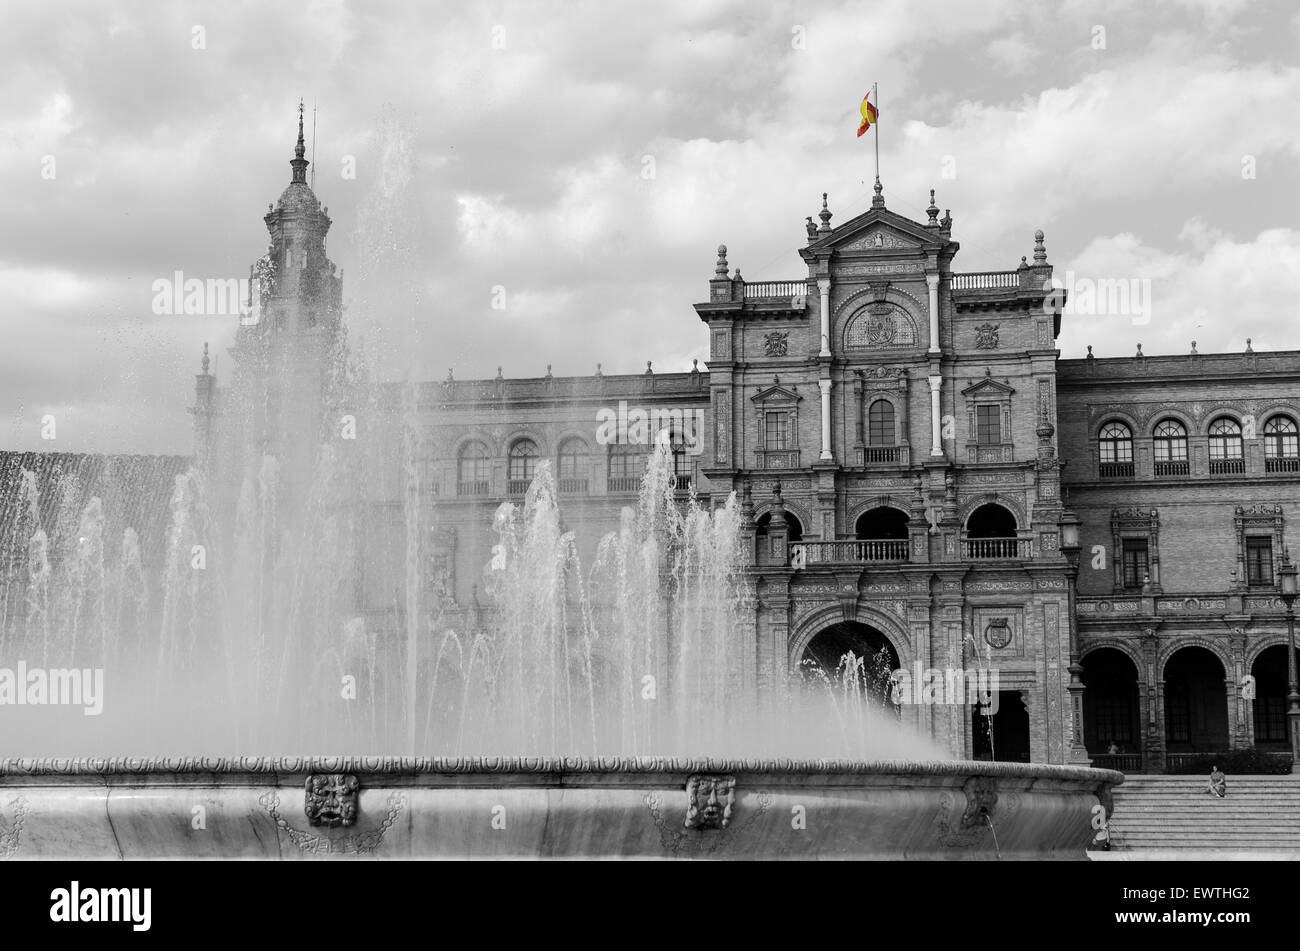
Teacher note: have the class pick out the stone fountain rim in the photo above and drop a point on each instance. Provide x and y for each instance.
(422, 765)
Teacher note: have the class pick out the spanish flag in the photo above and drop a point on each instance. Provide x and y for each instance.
(868, 115)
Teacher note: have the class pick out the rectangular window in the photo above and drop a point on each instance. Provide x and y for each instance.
(778, 431)
(625, 465)
(1259, 560)
(988, 425)
(1135, 562)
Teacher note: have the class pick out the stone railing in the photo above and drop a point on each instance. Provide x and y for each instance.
(998, 549)
(774, 290)
(1124, 762)
(984, 280)
(884, 455)
(849, 552)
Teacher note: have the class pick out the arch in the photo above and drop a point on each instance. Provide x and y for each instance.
(1226, 444)
(572, 460)
(1269, 668)
(805, 629)
(473, 466)
(461, 442)
(825, 649)
(1112, 709)
(903, 305)
(1012, 505)
(991, 520)
(1115, 441)
(882, 522)
(791, 508)
(1217, 414)
(1195, 700)
(793, 526)
(1163, 413)
(1193, 640)
(1118, 644)
(858, 509)
(1263, 644)
(1281, 435)
(522, 458)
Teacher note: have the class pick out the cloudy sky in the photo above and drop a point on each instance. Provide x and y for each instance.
(587, 158)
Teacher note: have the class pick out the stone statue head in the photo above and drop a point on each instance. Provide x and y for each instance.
(709, 801)
(331, 799)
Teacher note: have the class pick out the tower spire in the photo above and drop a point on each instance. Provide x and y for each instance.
(298, 162)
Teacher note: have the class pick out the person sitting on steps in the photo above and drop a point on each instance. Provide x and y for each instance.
(1218, 783)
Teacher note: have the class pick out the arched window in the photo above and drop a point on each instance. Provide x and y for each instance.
(1281, 445)
(1115, 448)
(472, 469)
(880, 424)
(793, 527)
(1171, 448)
(882, 534)
(991, 533)
(522, 466)
(571, 465)
(1225, 446)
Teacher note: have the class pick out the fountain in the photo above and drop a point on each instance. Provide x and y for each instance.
(604, 710)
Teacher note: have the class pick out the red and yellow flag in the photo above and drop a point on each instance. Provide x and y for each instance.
(868, 115)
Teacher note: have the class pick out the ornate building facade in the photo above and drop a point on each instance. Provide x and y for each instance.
(923, 479)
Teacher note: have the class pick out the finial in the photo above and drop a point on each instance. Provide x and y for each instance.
(737, 276)
(720, 272)
(945, 223)
(933, 212)
(298, 162)
(695, 365)
(1139, 355)
(598, 370)
(1090, 351)
(1024, 261)
(450, 378)
(812, 229)
(205, 358)
(1194, 348)
(548, 369)
(879, 200)
(1040, 251)
(1248, 350)
(648, 370)
(499, 376)
(776, 492)
(825, 216)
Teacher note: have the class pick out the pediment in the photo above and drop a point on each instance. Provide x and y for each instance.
(776, 393)
(880, 238)
(879, 229)
(988, 387)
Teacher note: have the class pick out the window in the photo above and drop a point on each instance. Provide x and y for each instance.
(1281, 445)
(1259, 560)
(880, 424)
(778, 431)
(1115, 446)
(571, 463)
(1225, 447)
(1171, 448)
(988, 425)
(1136, 562)
(522, 465)
(683, 469)
(626, 464)
(472, 470)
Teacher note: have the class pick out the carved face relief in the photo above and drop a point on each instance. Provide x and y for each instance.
(709, 801)
(331, 799)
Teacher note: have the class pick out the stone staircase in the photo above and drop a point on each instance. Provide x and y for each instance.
(1174, 816)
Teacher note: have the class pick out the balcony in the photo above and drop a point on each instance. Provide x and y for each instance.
(624, 484)
(860, 551)
(777, 458)
(1227, 466)
(517, 486)
(775, 290)
(572, 486)
(1166, 470)
(477, 487)
(884, 455)
(1115, 470)
(998, 549)
(1282, 463)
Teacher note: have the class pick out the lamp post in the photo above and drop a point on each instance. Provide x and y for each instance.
(1069, 525)
(1286, 576)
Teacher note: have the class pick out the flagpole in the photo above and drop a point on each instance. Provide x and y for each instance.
(876, 93)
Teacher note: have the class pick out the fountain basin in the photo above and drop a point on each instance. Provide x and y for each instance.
(419, 808)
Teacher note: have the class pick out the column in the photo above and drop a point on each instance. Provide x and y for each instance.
(932, 282)
(826, 419)
(936, 432)
(824, 288)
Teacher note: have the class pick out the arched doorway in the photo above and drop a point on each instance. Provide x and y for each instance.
(1000, 731)
(1270, 706)
(1111, 710)
(824, 659)
(1196, 704)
